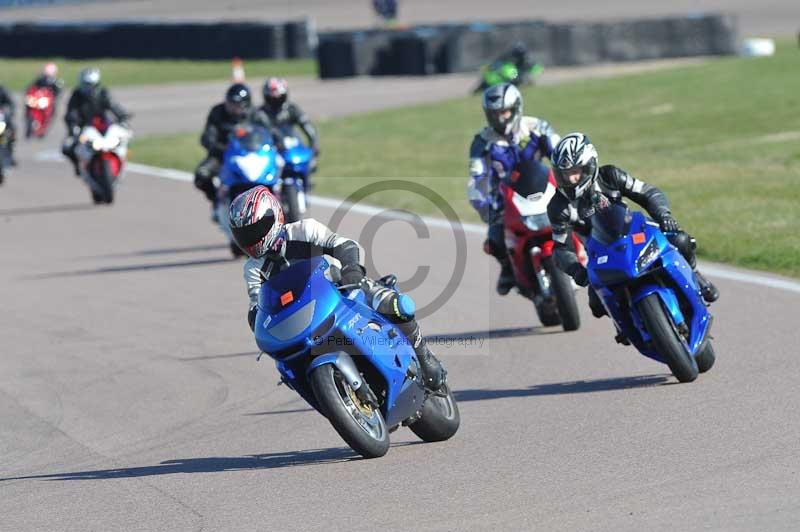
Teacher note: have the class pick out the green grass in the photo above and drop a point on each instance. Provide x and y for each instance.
(15, 74)
(722, 140)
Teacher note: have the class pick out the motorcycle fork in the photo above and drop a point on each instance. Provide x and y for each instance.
(541, 274)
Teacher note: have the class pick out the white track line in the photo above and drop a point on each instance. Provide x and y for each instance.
(715, 270)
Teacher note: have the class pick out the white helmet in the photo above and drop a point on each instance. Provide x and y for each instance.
(574, 152)
(89, 79)
(502, 105)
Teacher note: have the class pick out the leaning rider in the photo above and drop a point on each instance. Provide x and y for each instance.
(257, 224)
(584, 187)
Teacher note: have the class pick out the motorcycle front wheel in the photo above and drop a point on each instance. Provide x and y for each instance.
(360, 425)
(565, 296)
(666, 339)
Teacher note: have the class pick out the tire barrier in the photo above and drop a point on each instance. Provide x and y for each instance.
(429, 50)
(293, 39)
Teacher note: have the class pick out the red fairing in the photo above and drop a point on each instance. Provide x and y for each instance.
(39, 108)
(522, 242)
(100, 123)
(110, 159)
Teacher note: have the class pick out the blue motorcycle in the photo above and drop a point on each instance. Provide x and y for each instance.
(346, 360)
(250, 159)
(300, 163)
(649, 290)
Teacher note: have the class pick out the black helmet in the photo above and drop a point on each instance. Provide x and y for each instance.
(238, 99)
(276, 92)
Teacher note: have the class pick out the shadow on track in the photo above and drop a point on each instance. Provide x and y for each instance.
(163, 251)
(565, 388)
(296, 411)
(47, 209)
(491, 334)
(253, 354)
(216, 464)
(131, 268)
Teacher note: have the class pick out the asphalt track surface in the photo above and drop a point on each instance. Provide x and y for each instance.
(130, 398)
(765, 17)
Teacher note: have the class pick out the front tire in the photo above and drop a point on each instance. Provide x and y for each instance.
(565, 296)
(106, 183)
(439, 419)
(363, 428)
(292, 204)
(666, 339)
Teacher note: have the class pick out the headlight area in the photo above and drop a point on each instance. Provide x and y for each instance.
(537, 222)
(647, 256)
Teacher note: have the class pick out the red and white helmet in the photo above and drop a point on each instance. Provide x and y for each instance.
(276, 92)
(257, 223)
(50, 70)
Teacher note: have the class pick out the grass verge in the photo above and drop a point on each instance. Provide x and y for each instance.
(17, 73)
(722, 140)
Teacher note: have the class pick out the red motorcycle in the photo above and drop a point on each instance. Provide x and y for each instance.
(39, 107)
(102, 151)
(529, 239)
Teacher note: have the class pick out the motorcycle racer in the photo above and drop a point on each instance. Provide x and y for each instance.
(584, 187)
(257, 224)
(510, 144)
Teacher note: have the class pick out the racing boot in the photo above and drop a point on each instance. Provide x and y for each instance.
(506, 280)
(707, 288)
(433, 374)
(400, 309)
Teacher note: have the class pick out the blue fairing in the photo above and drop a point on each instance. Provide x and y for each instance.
(303, 321)
(250, 159)
(298, 159)
(634, 260)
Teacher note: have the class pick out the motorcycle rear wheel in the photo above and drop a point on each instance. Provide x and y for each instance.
(706, 357)
(666, 338)
(363, 428)
(440, 418)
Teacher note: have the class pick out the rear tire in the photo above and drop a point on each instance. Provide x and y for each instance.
(365, 434)
(666, 339)
(705, 357)
(439, 420)
(565, 296)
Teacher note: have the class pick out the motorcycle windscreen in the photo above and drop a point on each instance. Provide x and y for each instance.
(611, 223)
(254, 139)
(294, 302)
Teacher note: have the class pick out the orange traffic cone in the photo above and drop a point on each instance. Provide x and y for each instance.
(237, 70)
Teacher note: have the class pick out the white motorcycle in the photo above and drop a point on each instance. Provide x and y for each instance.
(102, 151)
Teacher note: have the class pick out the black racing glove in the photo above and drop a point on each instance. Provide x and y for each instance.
(352, 274)
(544, 146)
(580, 275)
(669, 225)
